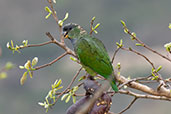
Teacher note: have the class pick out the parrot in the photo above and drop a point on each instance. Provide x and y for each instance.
(91, 53)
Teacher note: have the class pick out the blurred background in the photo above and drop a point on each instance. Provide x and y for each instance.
(25, 20)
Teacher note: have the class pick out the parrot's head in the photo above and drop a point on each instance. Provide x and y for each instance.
(73, 31)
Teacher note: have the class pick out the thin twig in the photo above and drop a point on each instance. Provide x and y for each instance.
(36, 45)
(56, 19)
(133, 101)
(133, 80)
(145, 46)
(138, 53)
(48, 64)
(114, 54)
(91, 26)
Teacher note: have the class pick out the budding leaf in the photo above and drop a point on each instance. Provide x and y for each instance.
(66, 16)
(159, 68)
(122, 22)
(64, 96)
(138, 44)
(3, 75)
(23, 78)
(9, 65)
(74, 99)
(34, 61)
(68, 98)
(169, 26)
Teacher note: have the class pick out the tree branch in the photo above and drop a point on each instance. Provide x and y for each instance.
(133, 101)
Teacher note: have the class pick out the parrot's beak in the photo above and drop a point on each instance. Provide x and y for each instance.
(65, 34)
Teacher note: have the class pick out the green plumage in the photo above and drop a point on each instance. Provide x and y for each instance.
(92, 54)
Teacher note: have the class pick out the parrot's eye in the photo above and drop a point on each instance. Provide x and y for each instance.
(67, 29)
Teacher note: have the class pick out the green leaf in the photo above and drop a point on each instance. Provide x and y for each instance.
(12, 44)
(9, 65)
(3, 75)
(23, 78)
(93, 18)
(64, 96)
(159, 68)
(21, 67)
(133, 36)
(81, 78)
(98, 24)
(66, 16)
(168, 46)
(8, 45)
(75, 88)
(27, 65)
(58, 84)
(122, 22)
(73, 59)
(31, 74)
(47, 9)
(74, 99)
(126, 30)
(68, 98)
(169, 26)
(34, 61)
(138, 44)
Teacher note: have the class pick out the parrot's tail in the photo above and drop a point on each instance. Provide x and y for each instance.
(114, 86)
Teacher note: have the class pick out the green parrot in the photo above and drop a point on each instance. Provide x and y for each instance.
(91, 52)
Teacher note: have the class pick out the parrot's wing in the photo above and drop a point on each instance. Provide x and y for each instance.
(92, 53)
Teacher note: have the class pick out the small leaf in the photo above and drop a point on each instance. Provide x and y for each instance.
(64, 96)
(41, 104)
(8, 45)
(122, 22)
(133, 36)
(93, 18)
(66, 16)
(21, 67)
(82, 78)
(75, 88)
(168, 46)
(60, 23)
(34, 61)
(126, 30)
(23, 78)
(159, 68)
(47, 9)
(58, 84)
(31, 74)
(3, 75)
(73, 59)
(95, 31)
(68, 98)
(169, 26)
(9, 65)
(27, 65)
(74, 99)
(97, 26)
(138, 44)
(12, 44)
(25, 42)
